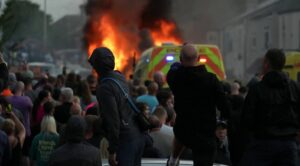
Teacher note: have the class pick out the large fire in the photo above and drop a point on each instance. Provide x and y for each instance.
(122, 44)
(121, 32)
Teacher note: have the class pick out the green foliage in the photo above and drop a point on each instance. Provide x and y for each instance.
(22, 19)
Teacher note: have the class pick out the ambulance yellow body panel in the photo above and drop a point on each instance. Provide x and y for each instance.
(162, 57)
(292, 65)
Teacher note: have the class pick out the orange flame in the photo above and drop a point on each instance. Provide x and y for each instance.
(116, 40)
(166, 33)
(124, 43)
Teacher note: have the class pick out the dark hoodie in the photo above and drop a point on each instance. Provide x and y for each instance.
(117, 116)
(271, 107)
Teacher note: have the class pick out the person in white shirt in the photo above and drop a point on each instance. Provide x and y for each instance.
(162, 136)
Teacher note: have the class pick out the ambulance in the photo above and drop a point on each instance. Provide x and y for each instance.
(160, 58)
(292, 65)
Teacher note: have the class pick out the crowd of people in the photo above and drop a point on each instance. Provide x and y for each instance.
(69, 120)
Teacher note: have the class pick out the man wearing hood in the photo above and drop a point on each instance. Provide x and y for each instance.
(125, 140)
(270, 116)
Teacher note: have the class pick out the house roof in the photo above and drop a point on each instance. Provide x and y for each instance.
(267, 8)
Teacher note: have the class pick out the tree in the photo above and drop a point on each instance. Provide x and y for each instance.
(22, 19)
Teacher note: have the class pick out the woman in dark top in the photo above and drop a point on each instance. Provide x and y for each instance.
(38, 111)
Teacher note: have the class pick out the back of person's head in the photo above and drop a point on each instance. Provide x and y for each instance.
(189, 55)
(78, 78)
(52, 80)
(60, 81)
(66, 94)
(154, 121)
(159, 78)
(48, 125)
(147, 82)
(76, 100)
(75, 109)
(71, 77)
(27, 82)
(276, 59)
(43, 94)
(49, 88)
(75, 129)
(42, 97)
(102, 60)
(163, 96)
(143, 107)
(19, 87)
(49, 108)
(171, 117)
(90, 123)
(41, 82)
(226, 87)
(141, 90)
(243, 90)
(160, 113)
(12, 80)
(9, 127)
(152, 88)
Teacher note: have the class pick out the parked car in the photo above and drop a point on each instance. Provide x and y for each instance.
(40, 68)
(160, 162)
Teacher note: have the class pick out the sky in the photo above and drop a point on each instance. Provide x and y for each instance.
(59, 8)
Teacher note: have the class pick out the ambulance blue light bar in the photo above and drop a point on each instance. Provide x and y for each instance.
(170, 58)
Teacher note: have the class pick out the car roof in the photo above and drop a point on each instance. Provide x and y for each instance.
(160, 162)
(40, 64)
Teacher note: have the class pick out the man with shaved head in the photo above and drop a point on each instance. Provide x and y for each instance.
(197, 95)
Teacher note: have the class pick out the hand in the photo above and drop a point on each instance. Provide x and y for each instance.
(113, 159)
(9, 111)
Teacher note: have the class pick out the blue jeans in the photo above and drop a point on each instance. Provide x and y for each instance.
(273, 152)
(130, 151)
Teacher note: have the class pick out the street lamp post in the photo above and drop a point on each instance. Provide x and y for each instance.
(45, 33)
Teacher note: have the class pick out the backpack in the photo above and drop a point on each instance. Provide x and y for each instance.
(141, 120)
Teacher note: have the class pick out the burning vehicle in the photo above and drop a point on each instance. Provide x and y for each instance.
(128, 27)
